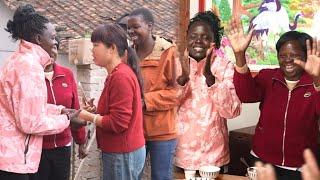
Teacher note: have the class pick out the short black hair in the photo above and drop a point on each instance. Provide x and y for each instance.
(123, 25)
(145, 13)
(118, 20)
(214, 23)
(26, 23)
(301, 37)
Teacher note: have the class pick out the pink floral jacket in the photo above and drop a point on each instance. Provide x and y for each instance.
(25, 114)
(202, 125)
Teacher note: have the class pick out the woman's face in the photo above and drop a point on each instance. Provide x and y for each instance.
(102, 55)
(47, 40)
(199, 38)
(287, 53)
(138, 29)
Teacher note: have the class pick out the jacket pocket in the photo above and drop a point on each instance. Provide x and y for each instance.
(150, 73)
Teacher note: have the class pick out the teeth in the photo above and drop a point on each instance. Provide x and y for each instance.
(198, 49)
(289, 68)
(134, 37)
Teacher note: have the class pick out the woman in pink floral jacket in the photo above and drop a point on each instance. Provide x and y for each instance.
(25, 114)
(208, 97)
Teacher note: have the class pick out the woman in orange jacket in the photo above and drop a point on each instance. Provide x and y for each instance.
(157, 62)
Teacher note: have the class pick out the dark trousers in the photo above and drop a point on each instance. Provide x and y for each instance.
(4, 175)
(54, 164)
(282, 174)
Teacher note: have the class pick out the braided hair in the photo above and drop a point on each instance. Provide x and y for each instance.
(214, 23)
(26, 23)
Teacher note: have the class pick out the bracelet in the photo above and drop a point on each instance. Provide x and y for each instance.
(95, 119)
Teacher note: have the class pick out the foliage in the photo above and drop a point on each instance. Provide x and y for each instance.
(225, 10)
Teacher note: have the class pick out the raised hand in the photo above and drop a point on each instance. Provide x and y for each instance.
(312, 65)
(185, 67)
(210, 79)
(238, 40)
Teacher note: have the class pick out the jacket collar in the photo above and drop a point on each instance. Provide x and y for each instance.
(28, 47)
(304, 80)
(57, 70)
(161, 45)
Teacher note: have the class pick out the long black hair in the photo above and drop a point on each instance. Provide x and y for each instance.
(112, 33)
(212, 21)
(26, 23)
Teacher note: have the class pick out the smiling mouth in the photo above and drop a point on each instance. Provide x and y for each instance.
(133, 38)
(198, 49)
(289, 67)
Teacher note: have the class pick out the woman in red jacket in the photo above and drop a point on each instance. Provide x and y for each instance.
(56, 149)
(119, 111)
(289, 99)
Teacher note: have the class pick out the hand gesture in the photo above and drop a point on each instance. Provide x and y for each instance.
(89, 106)
(310, 170)
(210, 79)
(185, 67)
(312, 65)
(238, 40)
(73, 117)
(265, 172)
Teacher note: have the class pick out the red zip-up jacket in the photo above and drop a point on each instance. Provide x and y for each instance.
(288, 119)
(62, 90)
(121, 107)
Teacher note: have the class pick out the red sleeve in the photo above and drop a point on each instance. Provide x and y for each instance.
(122, 90)
(248, 89)
(79, 134)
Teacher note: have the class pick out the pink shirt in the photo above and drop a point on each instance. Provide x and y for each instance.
(25, 114)
(203, 132)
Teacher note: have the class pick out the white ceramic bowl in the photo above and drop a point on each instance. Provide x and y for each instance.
(252, 173)
(189, 174)
(209, 171)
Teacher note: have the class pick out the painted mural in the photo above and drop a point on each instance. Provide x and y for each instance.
(270, 18)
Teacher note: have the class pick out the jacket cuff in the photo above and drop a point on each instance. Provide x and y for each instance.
(242, 70)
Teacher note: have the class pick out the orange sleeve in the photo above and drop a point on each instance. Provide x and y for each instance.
(166, 98)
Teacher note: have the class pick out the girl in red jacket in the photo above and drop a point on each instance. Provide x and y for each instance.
(119, 112)
(289, 99)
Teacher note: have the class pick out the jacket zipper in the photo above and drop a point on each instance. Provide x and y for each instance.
(54, 100)
(285, 128)
(285, 117)
(26, 147)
